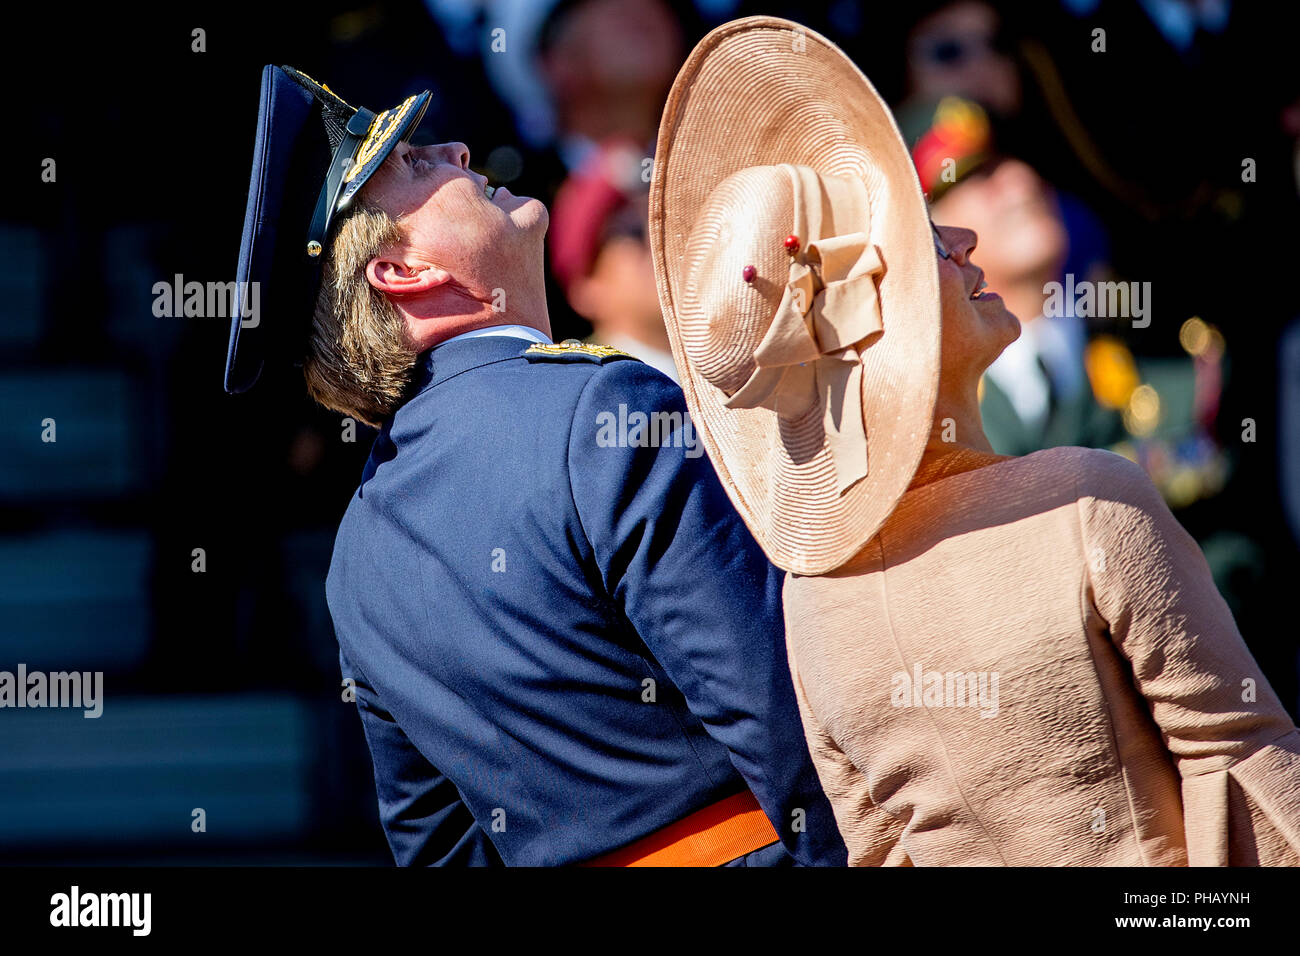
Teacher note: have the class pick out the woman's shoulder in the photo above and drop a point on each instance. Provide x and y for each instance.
(1114, 497)
(1096, 473)
(1100, 484)
(1119, 510)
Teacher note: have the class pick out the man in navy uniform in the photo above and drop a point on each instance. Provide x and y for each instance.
(565, 646)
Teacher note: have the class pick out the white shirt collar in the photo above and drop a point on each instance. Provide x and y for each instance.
(1060, 342)
(511, 331)
(1017, 372)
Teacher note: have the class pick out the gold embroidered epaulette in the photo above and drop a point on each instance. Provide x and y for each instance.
(571, 350)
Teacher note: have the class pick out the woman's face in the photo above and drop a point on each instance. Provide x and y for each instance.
(976, 323)
(1014, 209)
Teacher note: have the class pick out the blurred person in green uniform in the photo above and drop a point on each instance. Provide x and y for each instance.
(1071, 378)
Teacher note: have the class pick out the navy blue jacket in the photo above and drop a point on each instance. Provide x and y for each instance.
(505, 584)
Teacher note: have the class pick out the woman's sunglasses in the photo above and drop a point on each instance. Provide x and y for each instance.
(939, 245)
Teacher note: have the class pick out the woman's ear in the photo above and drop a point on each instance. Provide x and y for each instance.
(390, 275)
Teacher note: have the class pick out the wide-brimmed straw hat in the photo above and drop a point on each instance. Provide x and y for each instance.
(797, 273)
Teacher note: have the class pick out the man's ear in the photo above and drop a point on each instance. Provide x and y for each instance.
(390, 275)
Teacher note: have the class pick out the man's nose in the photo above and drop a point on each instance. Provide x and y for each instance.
(455, 153)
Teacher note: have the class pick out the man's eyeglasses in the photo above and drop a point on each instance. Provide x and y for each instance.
(939, 245)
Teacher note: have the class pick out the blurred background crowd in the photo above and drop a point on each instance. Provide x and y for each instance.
(177, 539)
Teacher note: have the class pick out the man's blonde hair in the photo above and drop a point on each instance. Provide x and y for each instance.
(359, 360)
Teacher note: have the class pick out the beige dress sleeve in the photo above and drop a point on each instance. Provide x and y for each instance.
(1235, 746)
(872, 835)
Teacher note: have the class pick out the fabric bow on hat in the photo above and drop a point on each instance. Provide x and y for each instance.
(829, 309)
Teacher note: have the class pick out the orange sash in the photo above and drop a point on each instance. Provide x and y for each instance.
(715, 835)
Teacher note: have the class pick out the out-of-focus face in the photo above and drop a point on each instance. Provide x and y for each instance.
(954, 51)
(445, 211)
(976, 323)
(623, 278)
(616, 45)
(1014, 211)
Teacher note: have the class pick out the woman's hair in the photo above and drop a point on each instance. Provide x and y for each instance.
(359, 360)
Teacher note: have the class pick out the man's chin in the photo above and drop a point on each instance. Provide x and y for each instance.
(530, 214)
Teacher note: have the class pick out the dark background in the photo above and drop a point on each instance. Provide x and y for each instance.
(222, 687)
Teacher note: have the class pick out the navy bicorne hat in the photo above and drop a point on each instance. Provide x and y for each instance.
(314, 152)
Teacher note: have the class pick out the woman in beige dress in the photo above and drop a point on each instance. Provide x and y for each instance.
(1084, 696)
(999, 661)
